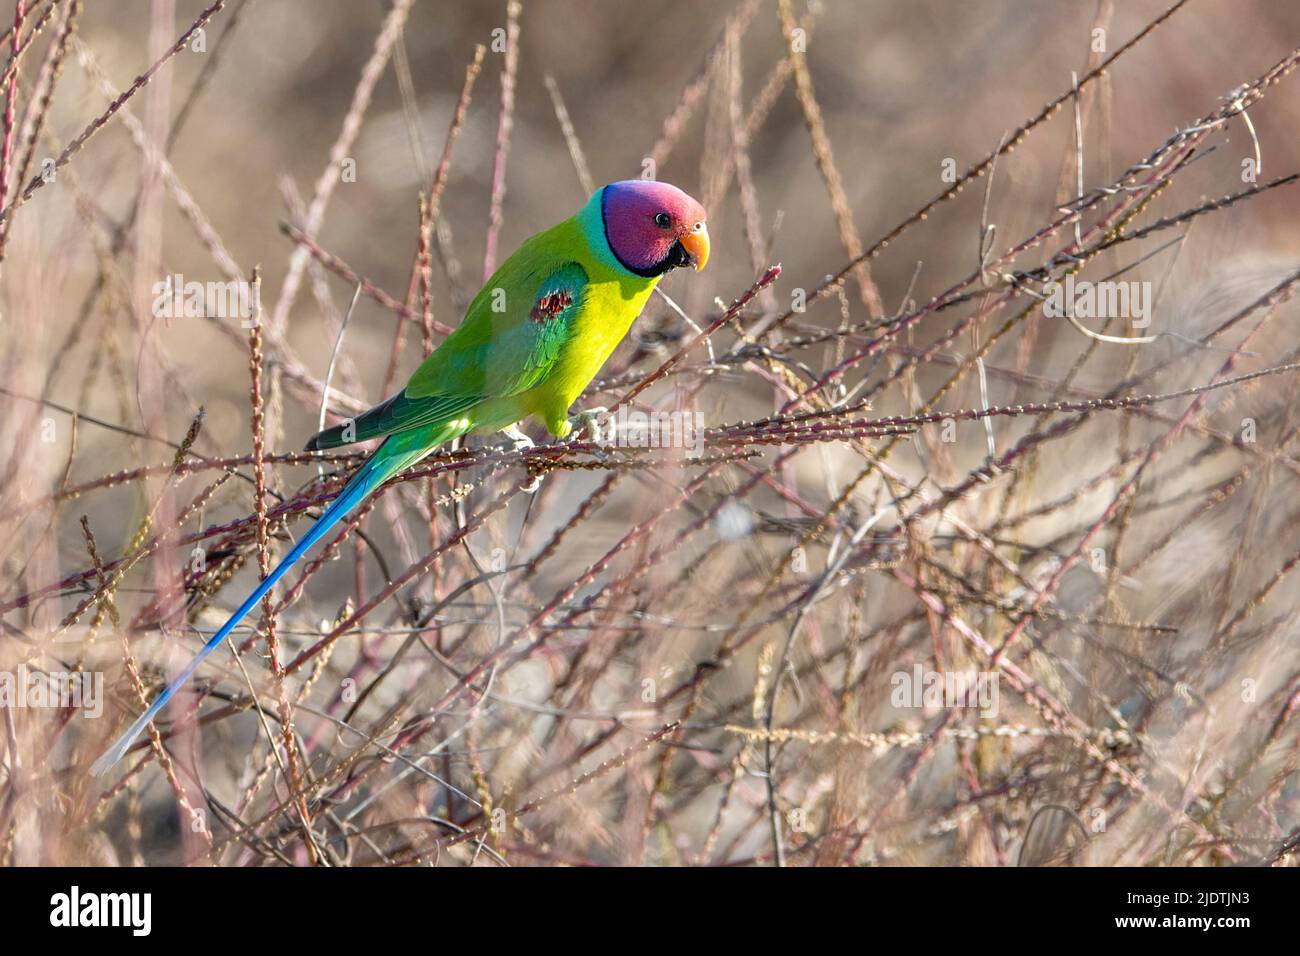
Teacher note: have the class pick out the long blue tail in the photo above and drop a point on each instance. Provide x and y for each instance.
(377, 469)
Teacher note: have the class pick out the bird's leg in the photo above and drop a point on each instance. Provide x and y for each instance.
(518, 440)
(587, 423)
(521, 442)
(585, 426)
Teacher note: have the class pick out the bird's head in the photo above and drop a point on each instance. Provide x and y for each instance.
(653, 227)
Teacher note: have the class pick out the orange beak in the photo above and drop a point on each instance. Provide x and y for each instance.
(696, 244)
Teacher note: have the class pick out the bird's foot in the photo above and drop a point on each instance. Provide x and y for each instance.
(518, 440)
(586, 424)
(521, 442)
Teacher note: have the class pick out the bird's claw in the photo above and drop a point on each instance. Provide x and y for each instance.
(521, 442)
(587, 424)
(518, 440)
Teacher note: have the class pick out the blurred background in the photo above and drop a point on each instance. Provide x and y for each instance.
(904, 93)
(901, 90)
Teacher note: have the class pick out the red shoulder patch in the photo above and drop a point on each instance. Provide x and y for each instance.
(550, 305)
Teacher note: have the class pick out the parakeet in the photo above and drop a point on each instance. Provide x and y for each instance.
(530, 342)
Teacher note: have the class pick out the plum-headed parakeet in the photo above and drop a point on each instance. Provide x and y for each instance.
(531, 341)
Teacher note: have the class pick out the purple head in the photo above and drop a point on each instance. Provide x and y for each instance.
(653, 227)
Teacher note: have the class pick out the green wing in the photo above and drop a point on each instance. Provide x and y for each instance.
(512, 334)
(398, 414)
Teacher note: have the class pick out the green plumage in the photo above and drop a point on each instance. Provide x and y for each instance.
(530, 342)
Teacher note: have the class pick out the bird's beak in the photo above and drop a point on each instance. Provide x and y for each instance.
(696, 244)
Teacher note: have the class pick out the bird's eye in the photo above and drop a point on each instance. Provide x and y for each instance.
(663, 220)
